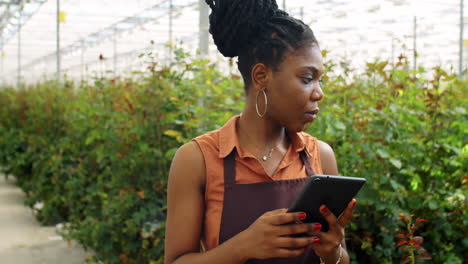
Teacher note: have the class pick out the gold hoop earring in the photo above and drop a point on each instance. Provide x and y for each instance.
(266, 104)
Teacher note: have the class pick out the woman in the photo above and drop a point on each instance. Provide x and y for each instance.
(227, 188)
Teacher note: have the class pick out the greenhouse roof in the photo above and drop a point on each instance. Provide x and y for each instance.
(101, 36)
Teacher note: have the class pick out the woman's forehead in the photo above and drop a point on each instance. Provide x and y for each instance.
(306, 57)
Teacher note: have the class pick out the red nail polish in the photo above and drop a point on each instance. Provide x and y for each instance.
(318, 226)
(316, 240)
(302, 216)
(354, 203)
(324, 209)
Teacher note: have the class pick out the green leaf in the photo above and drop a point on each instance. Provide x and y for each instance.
(396, 163)
(465, 242)
(144, 147)
(340, 125)
(366, 245)
(432, 204)
(395, 185)
(92, 136)
(382, 153)
(170, 153)
(173, 133)
(415, 181)
(460, 110)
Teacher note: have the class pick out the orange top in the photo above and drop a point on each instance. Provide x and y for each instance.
(217, 144)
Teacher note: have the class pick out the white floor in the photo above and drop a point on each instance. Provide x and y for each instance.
(23, 240)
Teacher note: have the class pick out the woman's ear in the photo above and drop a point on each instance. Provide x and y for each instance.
(260, 75)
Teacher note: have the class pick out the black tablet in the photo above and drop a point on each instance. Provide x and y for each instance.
(334, 191)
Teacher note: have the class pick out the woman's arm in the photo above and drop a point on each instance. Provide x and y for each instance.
(327, 158)
(185, 205)
(329, 166)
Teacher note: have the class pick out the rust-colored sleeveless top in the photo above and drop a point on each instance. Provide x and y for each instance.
(218, 144)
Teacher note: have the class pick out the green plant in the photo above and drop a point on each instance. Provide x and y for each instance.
(96, 155)
(409, 242)
(405, 131)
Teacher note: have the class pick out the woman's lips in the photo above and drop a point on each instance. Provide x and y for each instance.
(311, 116)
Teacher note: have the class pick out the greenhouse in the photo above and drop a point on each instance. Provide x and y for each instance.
(99, 99)
(99, 36)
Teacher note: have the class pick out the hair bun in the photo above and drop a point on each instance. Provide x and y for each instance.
(233, 23)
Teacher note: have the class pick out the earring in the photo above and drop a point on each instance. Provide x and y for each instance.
(266, 104)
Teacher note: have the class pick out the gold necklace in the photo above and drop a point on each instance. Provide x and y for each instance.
(270, 153)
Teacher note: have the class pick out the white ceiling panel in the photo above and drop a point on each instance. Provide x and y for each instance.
(118, 30)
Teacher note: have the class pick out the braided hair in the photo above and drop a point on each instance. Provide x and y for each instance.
(257, 32)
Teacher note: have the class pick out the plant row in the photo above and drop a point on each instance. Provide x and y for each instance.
(96, 155)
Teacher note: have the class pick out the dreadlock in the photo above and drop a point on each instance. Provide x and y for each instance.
(257, 32)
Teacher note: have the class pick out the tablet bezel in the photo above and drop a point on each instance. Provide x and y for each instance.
(334, 191)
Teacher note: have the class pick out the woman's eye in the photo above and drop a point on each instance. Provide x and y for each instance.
(307, 80)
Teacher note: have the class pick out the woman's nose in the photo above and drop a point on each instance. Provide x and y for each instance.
(317, 93)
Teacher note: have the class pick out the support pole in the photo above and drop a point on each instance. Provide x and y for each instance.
(58, 41)
(2, 73)
(203, 27)
(170, 29)
(115, 55)
(82, 60)
(460, 61)
(18, 82)
(302, 13)
(415, 54)
(284, 5)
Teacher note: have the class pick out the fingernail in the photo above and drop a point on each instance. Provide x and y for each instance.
(318, 226)
(354, 203)
(302, 216)
(316, 240)
(324, 209)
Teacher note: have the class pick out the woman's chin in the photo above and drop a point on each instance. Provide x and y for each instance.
(306, 126)
(296, 128)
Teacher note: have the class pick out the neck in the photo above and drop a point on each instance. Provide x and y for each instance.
(257, 132)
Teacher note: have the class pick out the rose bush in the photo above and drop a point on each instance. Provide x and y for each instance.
(96, 155)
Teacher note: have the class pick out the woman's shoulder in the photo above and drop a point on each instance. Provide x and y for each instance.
(311, 141)
(327, 155)
(225, 135)
(192, 155)
(189, 152)
(211, 137)
(189, 162)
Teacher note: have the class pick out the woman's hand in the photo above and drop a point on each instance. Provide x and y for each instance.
(328, 246)
(270, 236)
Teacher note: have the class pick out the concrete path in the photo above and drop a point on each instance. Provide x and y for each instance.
(23, 240)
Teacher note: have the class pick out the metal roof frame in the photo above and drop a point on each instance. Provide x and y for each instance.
(146, 16)
(15, 16)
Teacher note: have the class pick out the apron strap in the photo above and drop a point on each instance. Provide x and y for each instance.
(306, 162)
(230, 169)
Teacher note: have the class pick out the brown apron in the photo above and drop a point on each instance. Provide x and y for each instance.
(244, 203)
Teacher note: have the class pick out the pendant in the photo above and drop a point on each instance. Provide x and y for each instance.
(264, 158)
